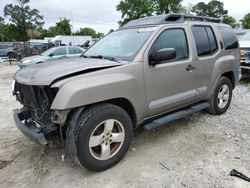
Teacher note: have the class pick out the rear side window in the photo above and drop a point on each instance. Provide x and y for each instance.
(229, 38)
(73, 50)
(173, 38)
(204, 40)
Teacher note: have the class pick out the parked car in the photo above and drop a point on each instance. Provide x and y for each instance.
(56, 53)
(8, 50)
(148, 73)
(245, 54)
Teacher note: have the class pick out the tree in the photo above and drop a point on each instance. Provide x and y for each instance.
(62, 27)
(167, 6)
(187, 10)
(231, 21)
(8, 32)
(213, 9)
(89, 32)
(1, 21)
(23, 17)
(134, 9)
(246, 21)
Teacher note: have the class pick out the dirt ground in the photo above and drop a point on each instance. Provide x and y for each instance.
(197, 151)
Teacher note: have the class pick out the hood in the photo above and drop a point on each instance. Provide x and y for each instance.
(47, 73)
(35, 58)
(244, 44)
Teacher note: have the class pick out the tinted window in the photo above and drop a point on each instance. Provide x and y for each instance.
(60, 51)
(174, 38)
(73, 50)
(212, 40)
(201, 40)
(228, 37)
(204, 40)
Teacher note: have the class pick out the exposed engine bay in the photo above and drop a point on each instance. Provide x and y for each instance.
(36, 101)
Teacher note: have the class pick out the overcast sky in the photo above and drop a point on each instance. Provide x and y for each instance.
(101, 14)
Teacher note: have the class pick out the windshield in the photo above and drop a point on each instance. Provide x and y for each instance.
(245, 37)
(49, 51)
(121, 45)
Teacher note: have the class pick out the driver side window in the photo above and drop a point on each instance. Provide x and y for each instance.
(172, 38)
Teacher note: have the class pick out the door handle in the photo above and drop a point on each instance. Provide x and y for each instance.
(190, 68)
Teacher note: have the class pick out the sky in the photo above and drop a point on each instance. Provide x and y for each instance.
(101, 15)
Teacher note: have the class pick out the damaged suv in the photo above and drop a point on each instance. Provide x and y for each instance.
(148, 73)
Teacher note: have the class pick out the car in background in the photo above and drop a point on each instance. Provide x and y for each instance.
(51, 54)
(8, 50)
(245, 53)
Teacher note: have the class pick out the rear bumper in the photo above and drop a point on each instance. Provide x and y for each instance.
(32, 132)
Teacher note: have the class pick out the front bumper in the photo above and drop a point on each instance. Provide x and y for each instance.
(29, 130)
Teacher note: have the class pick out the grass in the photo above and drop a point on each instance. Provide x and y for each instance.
(248, 87)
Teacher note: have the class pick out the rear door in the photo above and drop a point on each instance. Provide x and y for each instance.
(171, 84)
(210, 56)
(74, 52)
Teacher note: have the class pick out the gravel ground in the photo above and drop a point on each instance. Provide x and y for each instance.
(197, 151)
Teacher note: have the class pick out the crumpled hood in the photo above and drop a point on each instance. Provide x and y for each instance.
(46, 73)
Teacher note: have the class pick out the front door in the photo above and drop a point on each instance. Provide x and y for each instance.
(171, 84)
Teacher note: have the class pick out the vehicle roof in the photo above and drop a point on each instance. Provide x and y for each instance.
(171, 19)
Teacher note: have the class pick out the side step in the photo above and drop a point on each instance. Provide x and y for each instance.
(157, 123)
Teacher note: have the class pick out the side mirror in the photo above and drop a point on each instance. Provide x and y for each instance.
(51, 55)
(164, 54)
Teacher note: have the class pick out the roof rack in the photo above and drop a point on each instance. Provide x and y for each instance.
(169, 19)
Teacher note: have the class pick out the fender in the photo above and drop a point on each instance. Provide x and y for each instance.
(99, 88)
(222, 65)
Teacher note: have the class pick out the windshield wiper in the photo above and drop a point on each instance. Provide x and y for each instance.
(101, 57)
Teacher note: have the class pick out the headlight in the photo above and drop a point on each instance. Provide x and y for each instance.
(13, 86)
(242, 52)
(26, 61)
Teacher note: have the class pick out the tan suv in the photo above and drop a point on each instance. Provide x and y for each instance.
(148, 73)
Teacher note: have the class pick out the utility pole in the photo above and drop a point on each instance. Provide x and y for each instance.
(72, 32)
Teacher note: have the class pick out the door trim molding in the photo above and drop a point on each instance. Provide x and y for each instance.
(178, 97)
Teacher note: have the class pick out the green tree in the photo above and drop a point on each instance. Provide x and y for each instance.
(89, 32)
(8, 32)
(231, 21)
(23, 17)
(167, 6)
(1, 21)
(62, 27)
(246, 21)
(213, 9)
(134, 9)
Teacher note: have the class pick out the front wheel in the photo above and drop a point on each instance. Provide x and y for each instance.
(221, 98)
(104, 136)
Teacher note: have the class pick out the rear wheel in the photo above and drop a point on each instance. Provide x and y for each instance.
(221, 98)
(104, 136)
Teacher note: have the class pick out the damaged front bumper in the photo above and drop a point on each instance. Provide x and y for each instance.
(29, 129)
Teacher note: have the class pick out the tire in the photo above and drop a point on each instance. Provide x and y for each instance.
(221, 98)
(96, 127)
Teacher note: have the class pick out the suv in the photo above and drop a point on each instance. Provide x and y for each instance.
(148, 73)
(9, 51)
